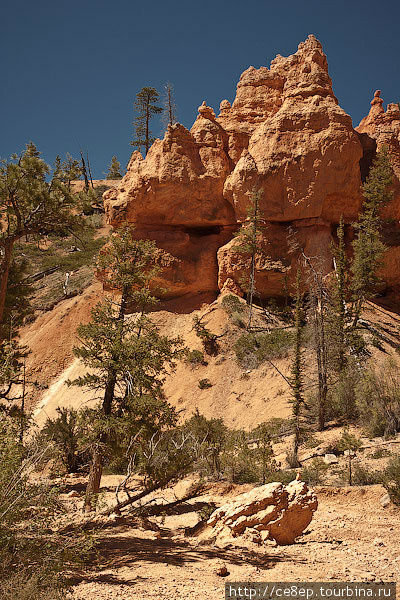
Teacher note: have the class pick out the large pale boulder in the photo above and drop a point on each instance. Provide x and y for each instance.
(275, 511)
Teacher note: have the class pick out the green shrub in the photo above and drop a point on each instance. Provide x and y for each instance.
(206, 511)
(378, 401)
(315, 471)
(195, 358)
(347, 441)
(204, 384)
(343, 403)
(363, 476)
(237, 320)
(232, 304)
(381, 453)
(263, 346)
(284, 476)
(209, 439)
(392, 479)
(209, 339)
(63, 433)
(34, 554)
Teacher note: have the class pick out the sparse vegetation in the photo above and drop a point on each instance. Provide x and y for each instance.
(392, 479)
(34, 554)
(263, 346)
(204, 384)
(195, 358)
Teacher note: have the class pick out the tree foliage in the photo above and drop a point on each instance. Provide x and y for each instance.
(127, 357)
(31, 203)
(368, 246)
(145, 108)
(248, 238)
(114, 170)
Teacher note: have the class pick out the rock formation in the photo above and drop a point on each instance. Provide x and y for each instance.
(384, 128)
(284, 134)
(271, 511)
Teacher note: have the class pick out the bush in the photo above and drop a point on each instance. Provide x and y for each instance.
(209, 438)
(284, 476)
(206, 511)
(238, 320)
(343, 395)
(63, 433)
(378, 401)
(204, 384)
(232, 304)
(391, 479)
(381, 453)
(364, 476)
(347, 441)
(209, 339)
(315, 472)
(263, 346)
(195, 358)
(33, 554)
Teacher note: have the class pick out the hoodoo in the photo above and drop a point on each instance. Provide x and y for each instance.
(284, 134)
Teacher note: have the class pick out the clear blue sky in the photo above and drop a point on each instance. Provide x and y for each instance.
(70, 69)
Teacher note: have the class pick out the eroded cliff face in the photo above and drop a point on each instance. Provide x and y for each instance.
(384, 128)
(284, 134)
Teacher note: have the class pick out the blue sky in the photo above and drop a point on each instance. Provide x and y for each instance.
(71, 69)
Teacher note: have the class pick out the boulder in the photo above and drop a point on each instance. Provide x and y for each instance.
(275, 511)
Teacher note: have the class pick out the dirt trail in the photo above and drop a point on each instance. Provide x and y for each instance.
(351, 538)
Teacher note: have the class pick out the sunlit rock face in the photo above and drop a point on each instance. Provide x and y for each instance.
(283, 134)
(384, 128)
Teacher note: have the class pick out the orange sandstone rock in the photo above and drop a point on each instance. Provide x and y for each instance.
(285, 134)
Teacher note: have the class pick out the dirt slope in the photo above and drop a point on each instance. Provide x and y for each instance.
(241, 398)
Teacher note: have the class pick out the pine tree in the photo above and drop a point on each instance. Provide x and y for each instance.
(368, 246)
(337, 313)
(169, 110)
(249, 244)
(17, 304)
(114, 170)
(30, 203)
(297, 372)
(145, 107)
(70, 170)
(128, 358)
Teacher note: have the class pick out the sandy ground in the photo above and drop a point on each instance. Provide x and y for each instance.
(351, 538)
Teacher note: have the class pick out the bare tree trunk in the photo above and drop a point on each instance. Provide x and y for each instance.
(320, 350)
(147, 129)
(89, 169)
(84, 171)
(253, 263)
(93, 485)
(22, 419)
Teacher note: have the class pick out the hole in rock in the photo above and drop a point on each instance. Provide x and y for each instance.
(203, 231)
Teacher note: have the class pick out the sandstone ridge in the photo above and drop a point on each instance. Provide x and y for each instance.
(284, 134)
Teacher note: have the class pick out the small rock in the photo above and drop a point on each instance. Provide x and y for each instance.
(385, 500)
(379, 542)
(330, 459)
(222, 571)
